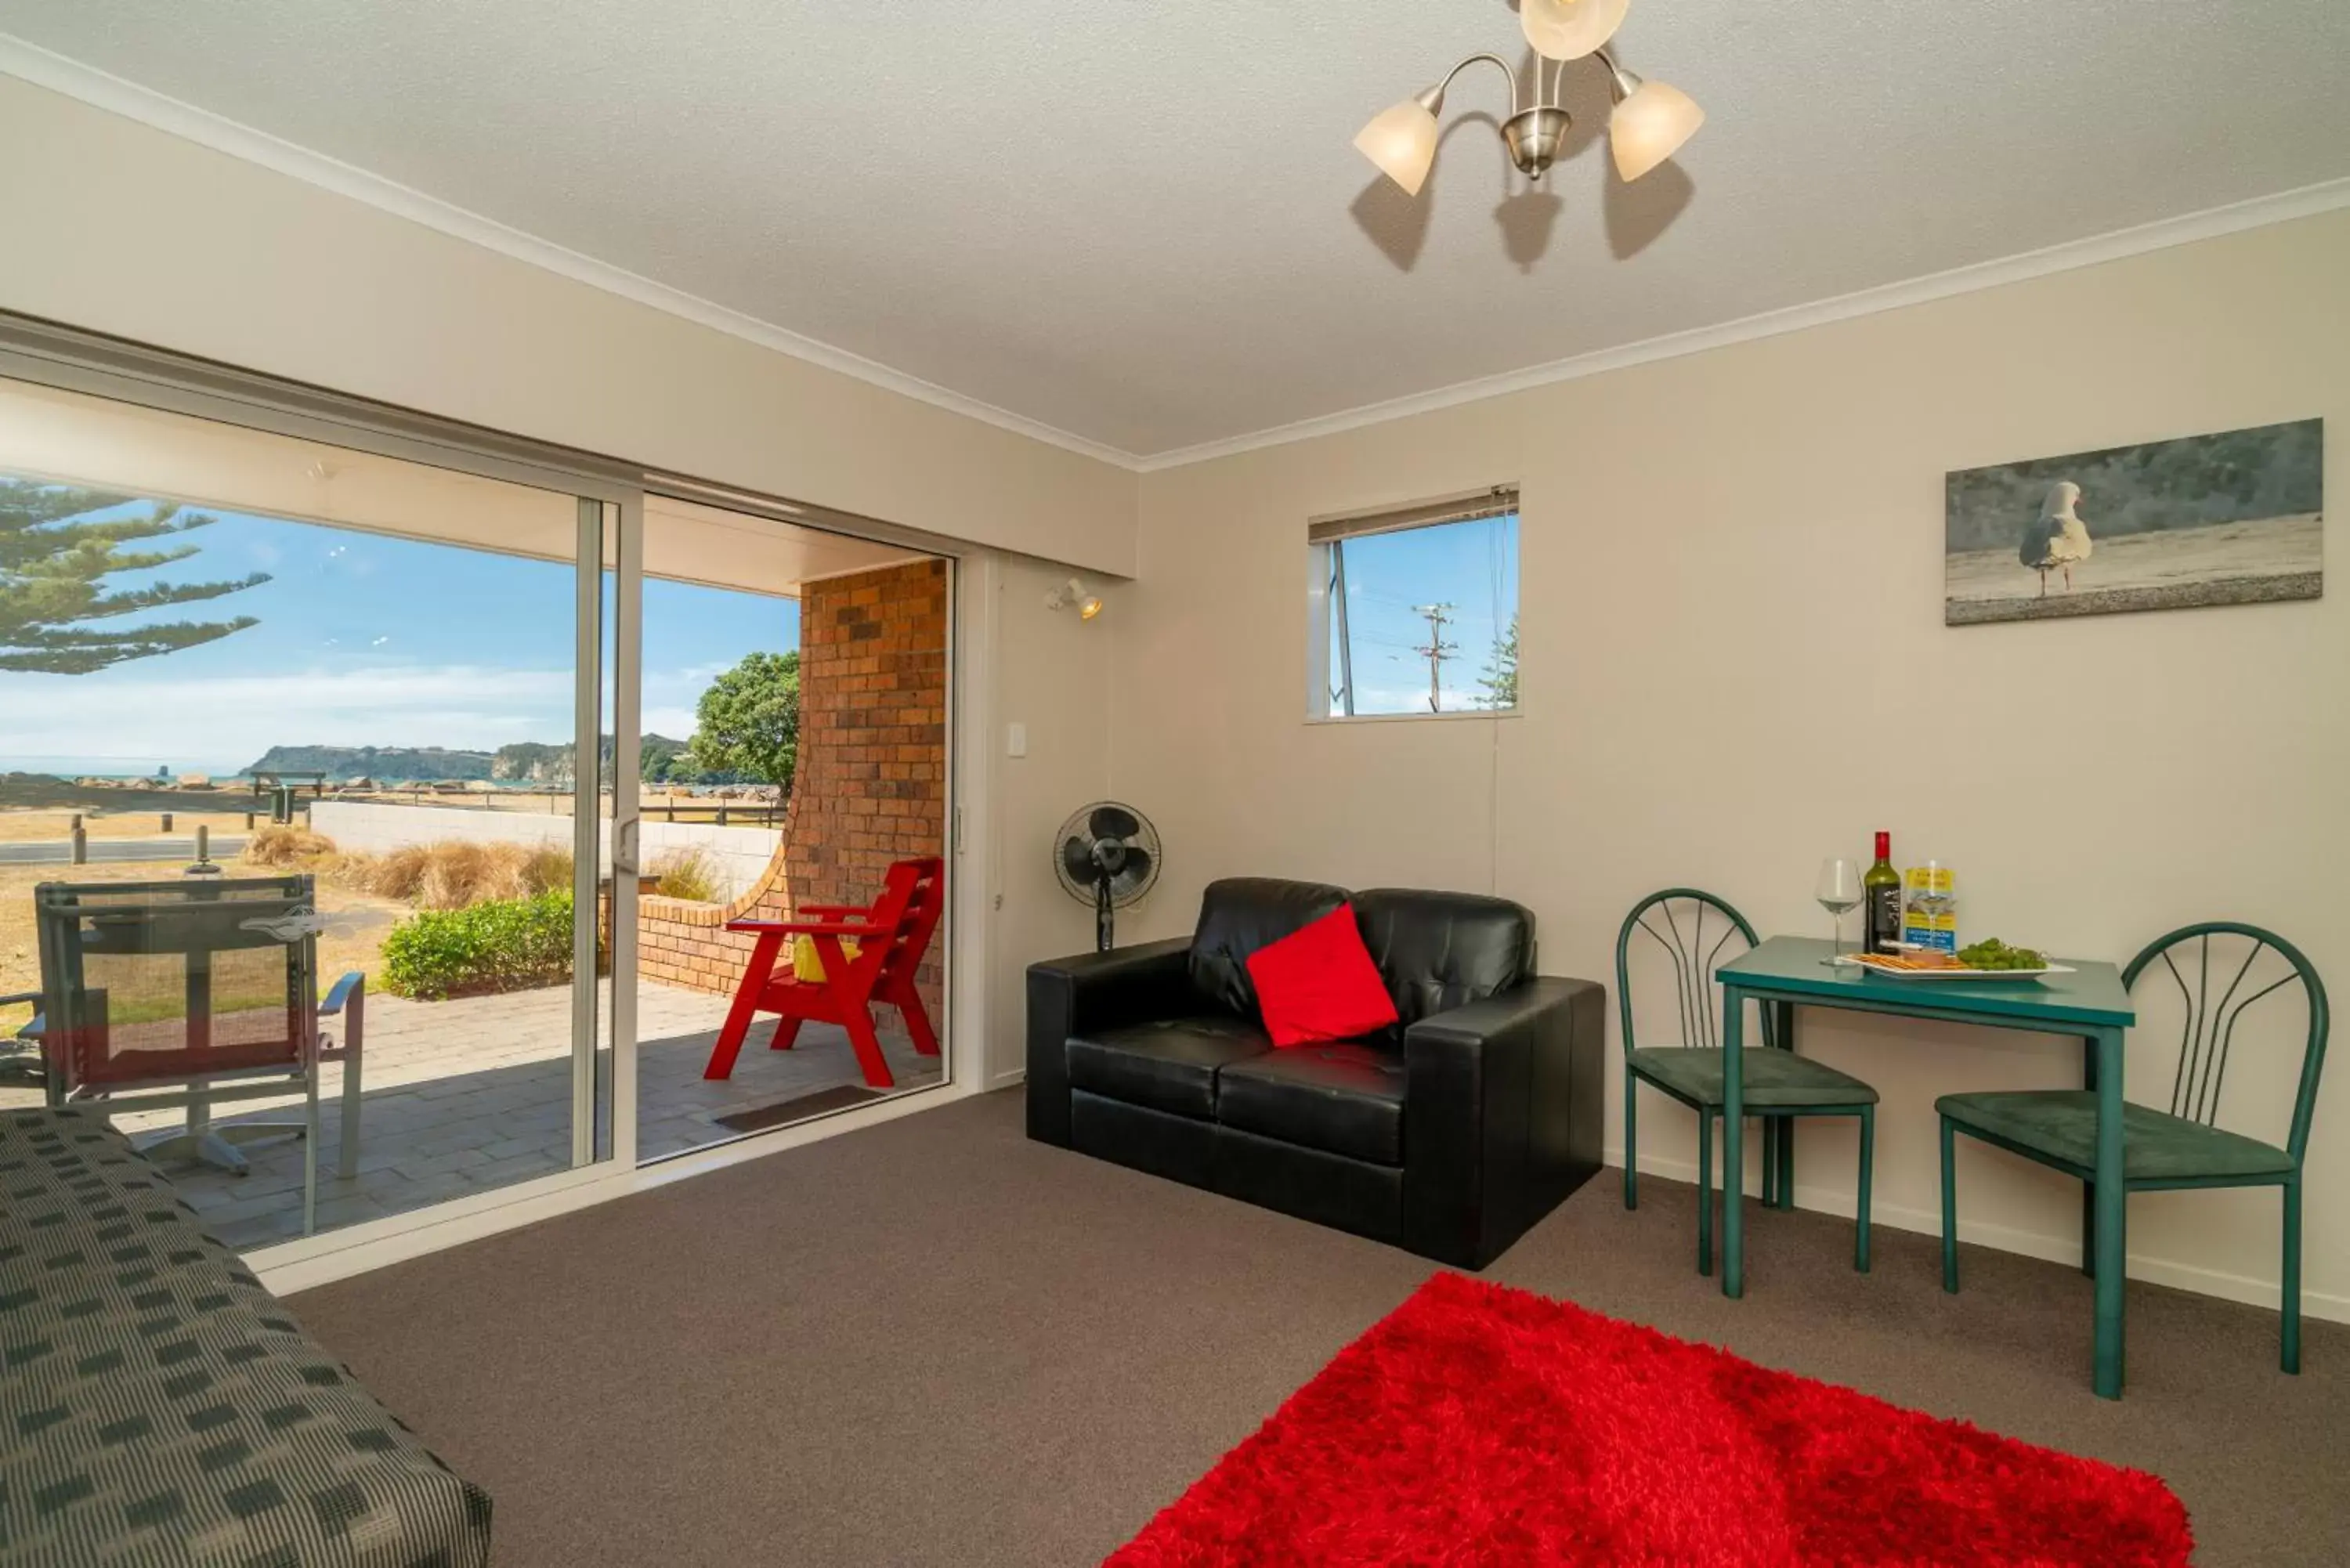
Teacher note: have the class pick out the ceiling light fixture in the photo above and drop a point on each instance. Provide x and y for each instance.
(1650, 122)
(1073, 592)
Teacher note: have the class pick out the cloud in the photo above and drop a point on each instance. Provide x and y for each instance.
(229, 720)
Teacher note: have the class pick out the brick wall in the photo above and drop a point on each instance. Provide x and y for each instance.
(688, 945)
(870, 785)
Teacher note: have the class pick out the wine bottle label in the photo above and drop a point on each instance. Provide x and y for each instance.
(1884, 906)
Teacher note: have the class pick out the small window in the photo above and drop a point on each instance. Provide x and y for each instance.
(1415, 611)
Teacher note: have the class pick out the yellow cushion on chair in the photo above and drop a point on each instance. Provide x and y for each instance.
(807, 963)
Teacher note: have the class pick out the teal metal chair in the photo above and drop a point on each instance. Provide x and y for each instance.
(2183, 1146)
(1780, 1085)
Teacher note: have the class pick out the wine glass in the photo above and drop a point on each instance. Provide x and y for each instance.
(1838, 889)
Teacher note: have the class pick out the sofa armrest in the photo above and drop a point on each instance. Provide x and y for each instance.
(1094, 991)
(1502, 1116)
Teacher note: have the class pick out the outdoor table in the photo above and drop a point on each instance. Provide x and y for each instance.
(2089, 1005)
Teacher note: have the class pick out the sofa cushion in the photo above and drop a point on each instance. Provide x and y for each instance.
(160, 1407)
(1169, 1064)
(1441, 951)
(1318, 983)
(1240, 914)
(1344, 1097)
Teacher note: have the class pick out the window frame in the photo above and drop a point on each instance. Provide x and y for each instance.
(1325, 537)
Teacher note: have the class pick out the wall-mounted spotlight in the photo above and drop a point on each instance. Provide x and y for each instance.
(1073, 592)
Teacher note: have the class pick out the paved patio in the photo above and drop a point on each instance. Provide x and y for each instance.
(467, 1096)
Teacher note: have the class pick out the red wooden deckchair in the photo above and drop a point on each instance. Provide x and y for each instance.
(892, 934)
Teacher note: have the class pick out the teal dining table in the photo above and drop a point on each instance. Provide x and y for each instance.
(2089, 1004)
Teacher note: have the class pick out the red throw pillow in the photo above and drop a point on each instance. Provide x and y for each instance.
(1318, 983)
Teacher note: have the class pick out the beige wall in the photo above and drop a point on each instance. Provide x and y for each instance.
(1731, 569)
(150, 237)
(1053, 676)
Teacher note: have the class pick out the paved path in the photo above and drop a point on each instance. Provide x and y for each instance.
(57, 852)
(468, 1096)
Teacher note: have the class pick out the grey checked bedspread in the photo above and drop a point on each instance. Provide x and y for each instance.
(159, 1406)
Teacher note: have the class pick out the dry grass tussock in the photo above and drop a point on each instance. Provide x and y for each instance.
(686, 874)
(453, 873)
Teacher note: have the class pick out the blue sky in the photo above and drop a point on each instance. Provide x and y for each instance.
(1471, 566)
(366, 639)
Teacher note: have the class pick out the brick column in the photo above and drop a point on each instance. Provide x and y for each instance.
(871, 783)
(869, 787)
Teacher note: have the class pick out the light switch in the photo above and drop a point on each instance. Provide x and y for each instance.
(1015, 740)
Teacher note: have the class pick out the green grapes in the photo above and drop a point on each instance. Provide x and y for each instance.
(1992, 953)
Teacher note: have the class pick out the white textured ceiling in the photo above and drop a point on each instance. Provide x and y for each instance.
(1145, 225)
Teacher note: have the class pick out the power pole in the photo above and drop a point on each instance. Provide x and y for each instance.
(1436, 651)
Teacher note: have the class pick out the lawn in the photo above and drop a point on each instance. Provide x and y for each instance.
(357, 923)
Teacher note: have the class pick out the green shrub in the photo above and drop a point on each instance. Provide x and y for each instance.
(500, 944)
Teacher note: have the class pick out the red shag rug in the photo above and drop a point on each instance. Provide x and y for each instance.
(1479, 1425)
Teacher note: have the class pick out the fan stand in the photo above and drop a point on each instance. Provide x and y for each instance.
(1102, 935)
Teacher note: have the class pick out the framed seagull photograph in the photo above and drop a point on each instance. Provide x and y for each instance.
(2233, 518)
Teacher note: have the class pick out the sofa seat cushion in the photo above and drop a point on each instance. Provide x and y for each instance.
(1343, 1097)
(1169, 1065)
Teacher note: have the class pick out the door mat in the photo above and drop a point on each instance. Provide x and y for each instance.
(798, 1108)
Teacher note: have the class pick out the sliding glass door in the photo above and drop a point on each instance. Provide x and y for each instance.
(605, 825)
(227, 654)
(791, 819)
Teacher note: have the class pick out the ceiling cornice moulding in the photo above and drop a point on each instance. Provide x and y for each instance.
(70, 78)
(99, 90)
(2260, 211)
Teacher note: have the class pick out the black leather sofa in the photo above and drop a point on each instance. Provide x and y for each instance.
(1448, 1135)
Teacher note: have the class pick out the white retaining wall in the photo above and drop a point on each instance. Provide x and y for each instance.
(737, 855)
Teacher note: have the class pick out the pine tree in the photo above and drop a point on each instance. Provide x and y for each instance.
(1500, 677)
(54, 560)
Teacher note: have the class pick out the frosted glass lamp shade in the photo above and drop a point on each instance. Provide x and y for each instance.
(1650, 126)
(1570, 29)
(1402, 141)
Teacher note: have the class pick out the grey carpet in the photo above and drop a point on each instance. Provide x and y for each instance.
(936, 1342)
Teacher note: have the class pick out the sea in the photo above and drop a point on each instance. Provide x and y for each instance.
(116, 767)
(130, 770)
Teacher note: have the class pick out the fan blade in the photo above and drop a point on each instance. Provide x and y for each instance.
(1112, 822)
(1077, 860)
(1137, 869)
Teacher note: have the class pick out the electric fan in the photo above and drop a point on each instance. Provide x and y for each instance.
(1106, 855)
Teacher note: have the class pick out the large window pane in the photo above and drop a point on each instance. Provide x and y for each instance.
(793, 750)
(229, 654)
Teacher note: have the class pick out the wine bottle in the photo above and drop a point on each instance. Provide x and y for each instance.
(1880, 900)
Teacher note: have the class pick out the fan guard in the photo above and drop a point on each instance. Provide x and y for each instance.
(1107, 855)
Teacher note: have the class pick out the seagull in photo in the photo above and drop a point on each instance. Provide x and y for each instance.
(2057, 537)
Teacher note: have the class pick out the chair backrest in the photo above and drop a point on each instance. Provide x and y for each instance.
(163, 982)
(913, 896)
(2215, 988)
(1694, 930)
